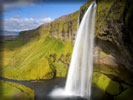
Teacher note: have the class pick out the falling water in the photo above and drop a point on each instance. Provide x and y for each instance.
(81, 66)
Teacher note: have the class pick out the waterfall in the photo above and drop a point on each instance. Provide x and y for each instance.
(81, 67)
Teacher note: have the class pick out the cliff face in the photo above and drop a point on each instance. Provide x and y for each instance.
(112, 28)
(114, 38)
(64, 27)
(113, 51)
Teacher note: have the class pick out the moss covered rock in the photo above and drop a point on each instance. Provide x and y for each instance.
(113, 80)
(125, 95)
(112, 30)
(105, 83)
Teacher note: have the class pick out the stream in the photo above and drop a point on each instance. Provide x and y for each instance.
(43, 88)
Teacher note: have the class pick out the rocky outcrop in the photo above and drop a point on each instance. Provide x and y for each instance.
(114, 37)
(113, 51)
(112, 28)
(65, 27)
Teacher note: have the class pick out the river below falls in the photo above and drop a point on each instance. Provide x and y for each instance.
(43, 88)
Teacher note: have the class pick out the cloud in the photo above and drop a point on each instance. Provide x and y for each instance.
(13, 4)
(16, 16)
(16, 24)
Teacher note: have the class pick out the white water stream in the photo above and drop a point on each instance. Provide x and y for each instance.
(81, 67)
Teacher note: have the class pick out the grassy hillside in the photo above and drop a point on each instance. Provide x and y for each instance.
(7, 51)
(42, 58)
(14, 91)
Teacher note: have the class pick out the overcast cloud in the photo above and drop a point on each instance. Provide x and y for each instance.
(16, 24)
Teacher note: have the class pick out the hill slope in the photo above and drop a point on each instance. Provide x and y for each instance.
(39, 59)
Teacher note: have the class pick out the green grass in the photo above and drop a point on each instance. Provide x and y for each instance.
(30, 61)
(8, 50)
(14, 91)
(12, 43)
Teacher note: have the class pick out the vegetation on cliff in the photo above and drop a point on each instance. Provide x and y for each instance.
(112, 54)
(45, 52)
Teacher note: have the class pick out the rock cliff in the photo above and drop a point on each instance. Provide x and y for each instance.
(114, 38)
(113, 51)
(64, 27)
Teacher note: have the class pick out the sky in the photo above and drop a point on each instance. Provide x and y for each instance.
(25, 16)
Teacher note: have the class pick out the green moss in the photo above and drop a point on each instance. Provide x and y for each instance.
(126, 95)
(103, 53)
(8, 91)
(13, 91)
(103, 9)
(44, 29)
(129, 10)
(64, 25)
(13, 43)
(106, 83)
(125, 86)
(108, 18)
(61, 69)
(112, 79)
(107, 69)
(29, 35)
